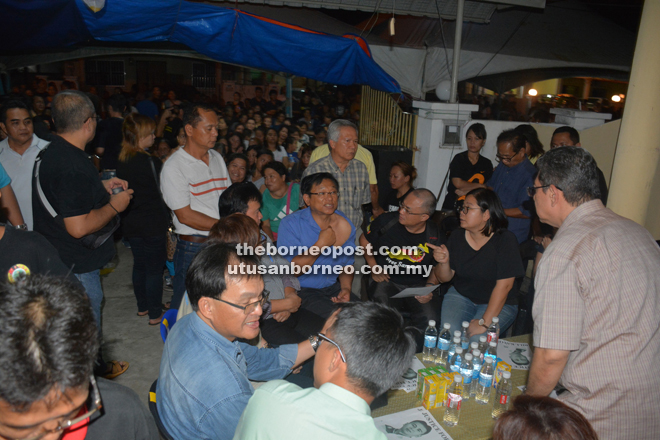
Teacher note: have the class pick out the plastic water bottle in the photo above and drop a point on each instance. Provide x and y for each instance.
(474, 346)
(485, 382)
(430, 342)
(465, 341)
(502, 395)
(476, 363)
(466, 371)
(444, 340)
(456, 360)
(483, 345)
(491, 351)
(456, 342)
(494, 330)
(453, 403)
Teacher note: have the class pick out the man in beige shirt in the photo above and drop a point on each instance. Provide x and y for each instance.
(597, 308)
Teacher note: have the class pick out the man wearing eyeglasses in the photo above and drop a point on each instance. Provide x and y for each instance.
(205, 372)
(359, 356)
(48, 345)
(510, 180)
(399, 268)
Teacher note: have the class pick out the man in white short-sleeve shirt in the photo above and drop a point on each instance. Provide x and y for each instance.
(191, 181)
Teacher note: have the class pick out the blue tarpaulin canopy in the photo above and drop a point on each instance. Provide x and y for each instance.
(223, 34)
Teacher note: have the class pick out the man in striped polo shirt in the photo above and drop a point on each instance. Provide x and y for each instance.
(191, 181)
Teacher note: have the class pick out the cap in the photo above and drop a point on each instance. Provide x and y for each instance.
(447, 325)
(493, 344)
(457, 333)
(458, 378)
(495, 320)
(506, 374)
(488, 360)
(476, 352)
(468, 357)
(459, 349)
(457, 340)
(465, 324)
(431, 323)
(474, 345)
(482, 339)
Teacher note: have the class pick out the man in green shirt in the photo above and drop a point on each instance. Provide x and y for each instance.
(364, 352)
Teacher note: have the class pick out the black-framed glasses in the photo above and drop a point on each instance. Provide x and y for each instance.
(97, 118)
(325, 338)
(531, 190)
(325, 194)
(249, 308)
(96, 405)
(501, 158)
(466, 209)
(403, 207)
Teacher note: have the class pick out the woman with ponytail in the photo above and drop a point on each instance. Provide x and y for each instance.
(145, 221)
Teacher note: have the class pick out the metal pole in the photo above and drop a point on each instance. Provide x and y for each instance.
(289, 97)
(457, 50)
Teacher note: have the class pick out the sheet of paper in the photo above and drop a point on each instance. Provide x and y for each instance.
(408, 382)
(407, 424)
(516, 354)
(415, 291)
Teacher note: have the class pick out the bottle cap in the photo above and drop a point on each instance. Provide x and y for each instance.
(459, 350)
(496, 320)
(458, 378)
(482, 339)
(468, 357)
(447, 325)
(465, 324)
(493, 344)
(476, 353)
(474, 345)
(431, 323)
(457, 334)
(506, 374)
(457, 340)
(488, 360)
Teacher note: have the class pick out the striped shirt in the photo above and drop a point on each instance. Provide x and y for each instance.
(597, 296)
(354, 190)
(186, 181)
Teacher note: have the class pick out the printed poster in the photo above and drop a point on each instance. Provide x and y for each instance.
(408, 382)
(516, 354)
(412, 423)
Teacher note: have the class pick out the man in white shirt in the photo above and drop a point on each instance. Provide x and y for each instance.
(191, 181)
(18, 152)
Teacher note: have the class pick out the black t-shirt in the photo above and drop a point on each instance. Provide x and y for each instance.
(462, 168)
(110, 138)
(124, 416)
(478, 271)
(73, 187)
(32, 250)
(146, 215)
(171, 129)
(391, 203)
(398, 235)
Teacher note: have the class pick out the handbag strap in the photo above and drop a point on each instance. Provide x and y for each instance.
(288, 198)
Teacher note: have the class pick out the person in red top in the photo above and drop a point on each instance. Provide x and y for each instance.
(48, 345)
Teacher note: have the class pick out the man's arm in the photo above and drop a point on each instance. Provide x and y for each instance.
(8, 201)
(85, 224)
(375, 206)
(346, 282)
(545, 371)
(514, 213)
(195, 219)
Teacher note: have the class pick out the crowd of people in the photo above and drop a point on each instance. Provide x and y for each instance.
(275, 189)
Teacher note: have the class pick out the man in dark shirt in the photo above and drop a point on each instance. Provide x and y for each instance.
(395, 267)
(271, 107)
(258, 99)
(48, 343)
(110, 133)
(82, 207)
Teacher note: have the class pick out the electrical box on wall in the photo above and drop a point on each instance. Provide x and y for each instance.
(451, 135)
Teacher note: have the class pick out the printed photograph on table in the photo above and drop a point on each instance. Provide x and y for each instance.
(408, 381)
(413, 423)
(516, 354)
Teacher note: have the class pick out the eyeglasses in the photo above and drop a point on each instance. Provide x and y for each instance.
(325, 194)
(466, 209)
(96, 405)
(96, 118)
(531, 190)
(325, 338)
(249, 308)
(403, 207)
(501, 158)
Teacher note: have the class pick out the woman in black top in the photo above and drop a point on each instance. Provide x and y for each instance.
(483, 260)
(145, 222)
(468, 170)
(402, 176)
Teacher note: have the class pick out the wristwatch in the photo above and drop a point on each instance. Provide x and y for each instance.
(314, 340)
(482, 323)
(22, 227)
